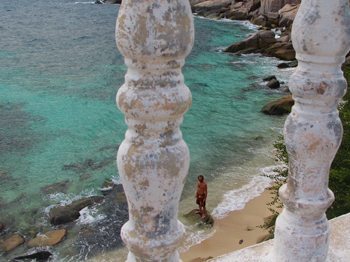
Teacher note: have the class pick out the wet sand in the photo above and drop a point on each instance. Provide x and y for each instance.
(236, 231)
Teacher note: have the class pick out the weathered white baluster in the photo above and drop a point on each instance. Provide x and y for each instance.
(313, 131)
(153, 160)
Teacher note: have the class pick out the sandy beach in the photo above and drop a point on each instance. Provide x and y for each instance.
(236, 231)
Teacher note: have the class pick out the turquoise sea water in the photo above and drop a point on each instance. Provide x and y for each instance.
(59, 73)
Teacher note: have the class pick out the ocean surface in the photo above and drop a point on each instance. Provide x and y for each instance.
(59, 74)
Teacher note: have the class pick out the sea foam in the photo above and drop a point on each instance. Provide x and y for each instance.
(237, 199)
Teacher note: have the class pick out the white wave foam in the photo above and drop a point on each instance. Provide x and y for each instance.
(89, 216)
(76, 3)
(247, 24)
(65, 199)
(195, 237)
(238, 198)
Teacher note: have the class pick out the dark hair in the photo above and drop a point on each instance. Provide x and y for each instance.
(200, 176)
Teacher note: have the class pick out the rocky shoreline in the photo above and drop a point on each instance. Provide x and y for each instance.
(63, 225)
(274, 18)
(273, 39)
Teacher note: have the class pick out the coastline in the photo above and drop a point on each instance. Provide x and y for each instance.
(223, 226)
(230, 231)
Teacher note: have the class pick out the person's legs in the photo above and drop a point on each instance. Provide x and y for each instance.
(204, 210)
(200, 205)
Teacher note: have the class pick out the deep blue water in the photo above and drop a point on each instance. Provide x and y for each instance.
(59, 74)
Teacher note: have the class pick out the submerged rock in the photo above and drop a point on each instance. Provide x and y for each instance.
(273, 84)
(11, 243)
(291, 64)
(68, 213)
(50, 238)
(85, 176)
(37, 256)
(269, 78)
(279, 107)
(193, 217)
(112, 1)
(89, 164)
(56, 187)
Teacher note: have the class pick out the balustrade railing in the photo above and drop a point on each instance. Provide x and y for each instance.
(153, 160)
(313, 130)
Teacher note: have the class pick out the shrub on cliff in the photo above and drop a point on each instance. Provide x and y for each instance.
(339, 180)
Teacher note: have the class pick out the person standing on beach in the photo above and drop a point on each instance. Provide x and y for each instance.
(201, 195)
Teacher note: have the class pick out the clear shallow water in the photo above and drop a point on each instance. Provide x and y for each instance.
(59, 73)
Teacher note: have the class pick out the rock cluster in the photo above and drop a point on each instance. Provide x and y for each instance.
(268, 14)
(102, 234)
(50, 238)
(11, 242)
(68, 213)
(279, 107)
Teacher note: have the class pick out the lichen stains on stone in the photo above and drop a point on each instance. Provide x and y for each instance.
(337, 129)
(144, 184)
(322, 88)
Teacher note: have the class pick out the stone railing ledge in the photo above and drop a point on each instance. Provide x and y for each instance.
(339, 246)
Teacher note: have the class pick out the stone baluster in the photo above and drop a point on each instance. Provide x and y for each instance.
(154, 36)
(313, 130)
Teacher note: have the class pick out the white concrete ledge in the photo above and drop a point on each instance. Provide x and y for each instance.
(339, 248)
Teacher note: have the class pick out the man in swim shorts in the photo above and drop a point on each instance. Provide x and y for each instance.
(201, 195)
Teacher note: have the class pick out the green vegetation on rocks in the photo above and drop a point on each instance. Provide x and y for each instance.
(339, 180)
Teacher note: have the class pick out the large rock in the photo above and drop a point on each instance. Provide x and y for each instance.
(281, 50)
(11, 243)
(253, 44)
(194, 2)
(287, 15)
(272, 6)
(243, 10)
(209, 7)
(279, 107)
(50, 238)
(65, 214)
(260, 20)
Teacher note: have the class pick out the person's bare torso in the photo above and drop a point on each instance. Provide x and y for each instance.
(201, 189)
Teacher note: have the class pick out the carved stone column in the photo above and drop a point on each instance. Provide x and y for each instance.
(313, 131)
(153, 160)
